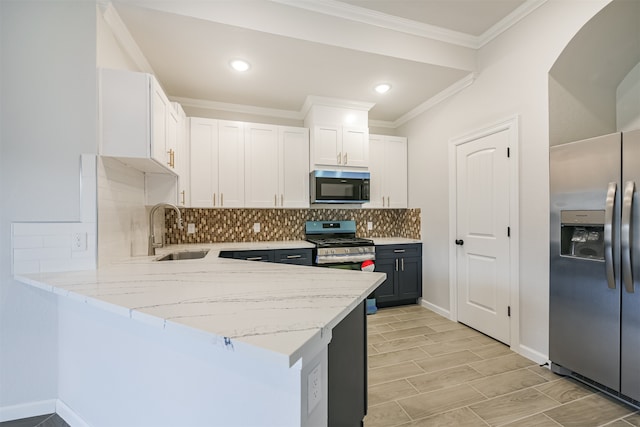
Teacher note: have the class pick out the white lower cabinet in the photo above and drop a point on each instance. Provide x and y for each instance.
(388, 169)
(217, 163)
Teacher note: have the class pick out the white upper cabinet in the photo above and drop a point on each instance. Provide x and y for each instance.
(261, 166)
(217, 163)
(388, 169)
(339, 146)
(133, 120)
(293, 174)
(204, 161)
(230, 164)
(276, 173)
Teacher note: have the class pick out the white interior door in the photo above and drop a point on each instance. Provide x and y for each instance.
(482, 221)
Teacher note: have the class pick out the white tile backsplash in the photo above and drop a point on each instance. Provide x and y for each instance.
(38, 247)
(47, 246)
(122, 216)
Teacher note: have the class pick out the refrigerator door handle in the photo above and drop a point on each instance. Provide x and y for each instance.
(608, 234)
(625, 235)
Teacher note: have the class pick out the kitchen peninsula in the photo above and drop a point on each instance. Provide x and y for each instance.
(208, 341)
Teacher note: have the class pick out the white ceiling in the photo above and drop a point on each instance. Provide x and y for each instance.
(328, 48)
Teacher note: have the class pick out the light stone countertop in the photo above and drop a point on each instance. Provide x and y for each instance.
(286, 310)
(393, 241)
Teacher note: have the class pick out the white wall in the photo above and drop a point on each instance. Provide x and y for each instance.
(512, 80)
(48, 120)
(628, 101)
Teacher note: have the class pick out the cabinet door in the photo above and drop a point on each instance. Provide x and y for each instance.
(293, 179)
(230, 164)
(377, 171)
(160, 112)
(355, 147)
(387, 290)
(327, 146)
(124, 108)
(182, 162)
(204, 161)
(395, 172)
(171, 138)
(261, 166)
(410, 278)
(259, 255)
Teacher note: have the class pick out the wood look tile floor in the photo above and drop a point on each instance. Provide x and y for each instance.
(425, 370)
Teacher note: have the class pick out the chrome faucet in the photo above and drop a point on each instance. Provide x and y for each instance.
(152, 243)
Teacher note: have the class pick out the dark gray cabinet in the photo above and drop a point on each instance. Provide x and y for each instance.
(294, 256)
(348, 370)
(403, 266)
(283, 256)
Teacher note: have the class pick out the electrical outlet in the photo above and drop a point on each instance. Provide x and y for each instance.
(79, 242)
(256, 227)
(314, 388)
(369, 225)
(191, 228)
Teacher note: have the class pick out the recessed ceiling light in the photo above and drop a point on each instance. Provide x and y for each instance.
(240, 65)
(382, 87)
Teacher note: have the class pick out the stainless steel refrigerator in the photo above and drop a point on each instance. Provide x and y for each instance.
(594, 300)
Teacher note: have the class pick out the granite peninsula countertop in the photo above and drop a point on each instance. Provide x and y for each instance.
(248, 306)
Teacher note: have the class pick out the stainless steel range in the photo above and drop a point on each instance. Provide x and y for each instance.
(337, 244)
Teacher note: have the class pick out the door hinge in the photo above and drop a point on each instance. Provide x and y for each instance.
(508, 231)
(508, 311)
(508, 151)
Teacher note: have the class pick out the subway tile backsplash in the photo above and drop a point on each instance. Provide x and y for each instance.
(236, 225)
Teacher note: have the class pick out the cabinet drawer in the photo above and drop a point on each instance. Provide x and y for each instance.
(264, 255)
(294, 256)
(399, 251)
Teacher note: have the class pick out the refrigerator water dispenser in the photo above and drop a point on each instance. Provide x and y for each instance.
(582, 234)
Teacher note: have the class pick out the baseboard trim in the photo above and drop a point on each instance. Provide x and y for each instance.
(69, 415)
(26, 410)
(437, 309)
(532, 354)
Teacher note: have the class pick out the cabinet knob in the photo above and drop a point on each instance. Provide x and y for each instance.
(345, 158)
(282, 200)
(339, 158)
(214, 200)
(183, 197)
(460, 242)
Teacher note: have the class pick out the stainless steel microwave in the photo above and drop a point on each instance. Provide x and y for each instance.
(339, 186)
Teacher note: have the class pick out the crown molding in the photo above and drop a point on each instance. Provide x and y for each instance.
(508, 21)
(329, 102)
(408, 26)
(312, 100)
(124, 37)
(383, 20)
(237, 108)
(436, 99)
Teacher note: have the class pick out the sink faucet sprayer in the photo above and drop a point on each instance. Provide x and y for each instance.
(152, 244)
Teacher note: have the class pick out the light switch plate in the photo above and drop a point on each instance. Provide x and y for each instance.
(256, 227)
(191, 228)
(369, 225)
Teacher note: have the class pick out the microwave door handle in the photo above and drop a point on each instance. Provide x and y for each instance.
(625, 236)
(608, 234)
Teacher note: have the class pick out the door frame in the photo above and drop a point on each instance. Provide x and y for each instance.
(510, 125)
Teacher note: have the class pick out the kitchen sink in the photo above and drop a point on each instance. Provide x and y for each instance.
(176, 256)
